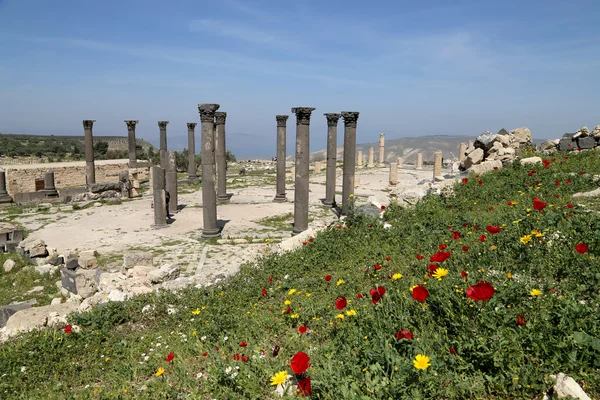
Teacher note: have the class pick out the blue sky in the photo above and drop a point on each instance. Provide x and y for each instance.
(409, 67)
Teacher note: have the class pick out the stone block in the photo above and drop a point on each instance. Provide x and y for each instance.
(566, 144)
(56, 260)
(531, 160)
(81, 282)
(138, 258)
(474, 157)
(87, 261)
(522, 136)
(165, 273)
(550, 144)
(9, 265)
(46, 269)
(35, 247)
(38, 317)
(486, 166)
(485, 141)
(587, 142)
(7, 311)
(103, 187)
(72, 261)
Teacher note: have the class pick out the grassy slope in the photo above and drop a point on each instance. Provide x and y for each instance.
(359, 356)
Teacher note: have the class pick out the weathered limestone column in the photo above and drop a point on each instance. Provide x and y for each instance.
(350, 118)
(471, 144)
(221, 159)
(381, 148)
(419, 164)
(164, 161)
(131, 142)
(393, 174)
(462, 149)
(192, 176)
(359, 162)
(332, 123)
(318, 167)
(158, 193)
(437, 164)
(172, 181)
(281, 155)
(302, 168)
(90, 170)
(400, 162)
(4, 196)
(209, 195)
(371, 158)
(49, 188)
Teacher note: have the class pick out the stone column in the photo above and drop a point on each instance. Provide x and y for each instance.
(359, 163)
(437, 164)
(4, 197)
(164, 161)
(371, 162)
(158, 192)
(381, 148)
(332, 123)
(192, 176)
(49, 188)
(90, 170)
(462, 149)
(302, 168)
(220, 155)
(209, 195)
(400, 162)
(171, 179)
(471, 144)
(350, 119)
(393, 174)
(318, 167)
(419, 164)
(131, 142)
(281, 155)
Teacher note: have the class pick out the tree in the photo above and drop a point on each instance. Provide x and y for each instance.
(100, 149)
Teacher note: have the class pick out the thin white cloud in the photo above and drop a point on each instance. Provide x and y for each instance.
(232, 30)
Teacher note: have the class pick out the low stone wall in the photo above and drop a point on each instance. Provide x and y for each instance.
(21, 178)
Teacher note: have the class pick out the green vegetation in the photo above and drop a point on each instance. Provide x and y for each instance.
(229, 341)
(15, 284)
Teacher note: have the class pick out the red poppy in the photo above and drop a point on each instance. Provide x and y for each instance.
(304, 388)
(482, 238)
(299, 363)
(419, 293)
(420, 257)
(495, 168)
(217, 348)
(546, 163)
(341, 303)
(244, 358)
(556, 183)
(582, 248)
(387, 259)
(568, 181)
(465, 248)
(377, 294)
(359, 296)
(480, 182)
(243, 344)
(475, 227)
(553, 159)
(270, 279)
(302, 330)
(288, 310)
(481, 291)
(490, 208)
(432, 267)
(452, 351)
(404, 334)
(327, 278)
(510, 203)
(170, 357)
(538, 204)
(68, 329)
(236, 357)
(533, 171)
(465, 181)
(456, 235)
(264, 292)
(440, 256)
(521, 319)
(465, 225)
(382, 208)
(464, 273)
(311, 240)
(493, 229)
(581, 172)
(205, 354)
(569, 205)
(377, 267)
(304, 243)
(443, 246)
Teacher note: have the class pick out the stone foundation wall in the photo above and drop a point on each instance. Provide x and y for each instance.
(21, 178)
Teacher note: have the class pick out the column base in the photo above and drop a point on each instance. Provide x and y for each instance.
(4, 198)
(280, 199)
(193, 179)
(297, 231)
(50, 192)
(210, 234)
(161, 226)
(222, 200)
(329, 203)
(370, 166)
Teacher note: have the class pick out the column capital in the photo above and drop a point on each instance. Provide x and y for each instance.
(220, 117)
(282, 120)
(332, 118)
(302, 115)
(207, 112)
(131, 123)
(88, 123)
(163, 124)
(192, 125)
(381, 135)
(350, 118)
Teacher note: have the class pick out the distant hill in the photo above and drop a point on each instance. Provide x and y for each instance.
(408, 147)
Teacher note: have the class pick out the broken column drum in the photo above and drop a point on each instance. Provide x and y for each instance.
(400, 162)
(90, 171)
(171, 181)
(419, 164)
(4, 196)
(301, 186)
(49, 188)
(158, 192)
(462, 149)
(381, 148)
(359, 162)
(221, 156)
(350, 119)
(164, 162)
(131, 143)
(332, 123)
(281, 156)
(371, 158)
(209, 195)
(393, 174)
(437, 164)
(192, 176)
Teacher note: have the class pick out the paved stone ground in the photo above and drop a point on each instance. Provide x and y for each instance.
(248, 220)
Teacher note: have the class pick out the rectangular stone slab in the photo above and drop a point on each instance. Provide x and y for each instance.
(586, 142)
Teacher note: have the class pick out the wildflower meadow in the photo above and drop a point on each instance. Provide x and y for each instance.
(480, 294)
